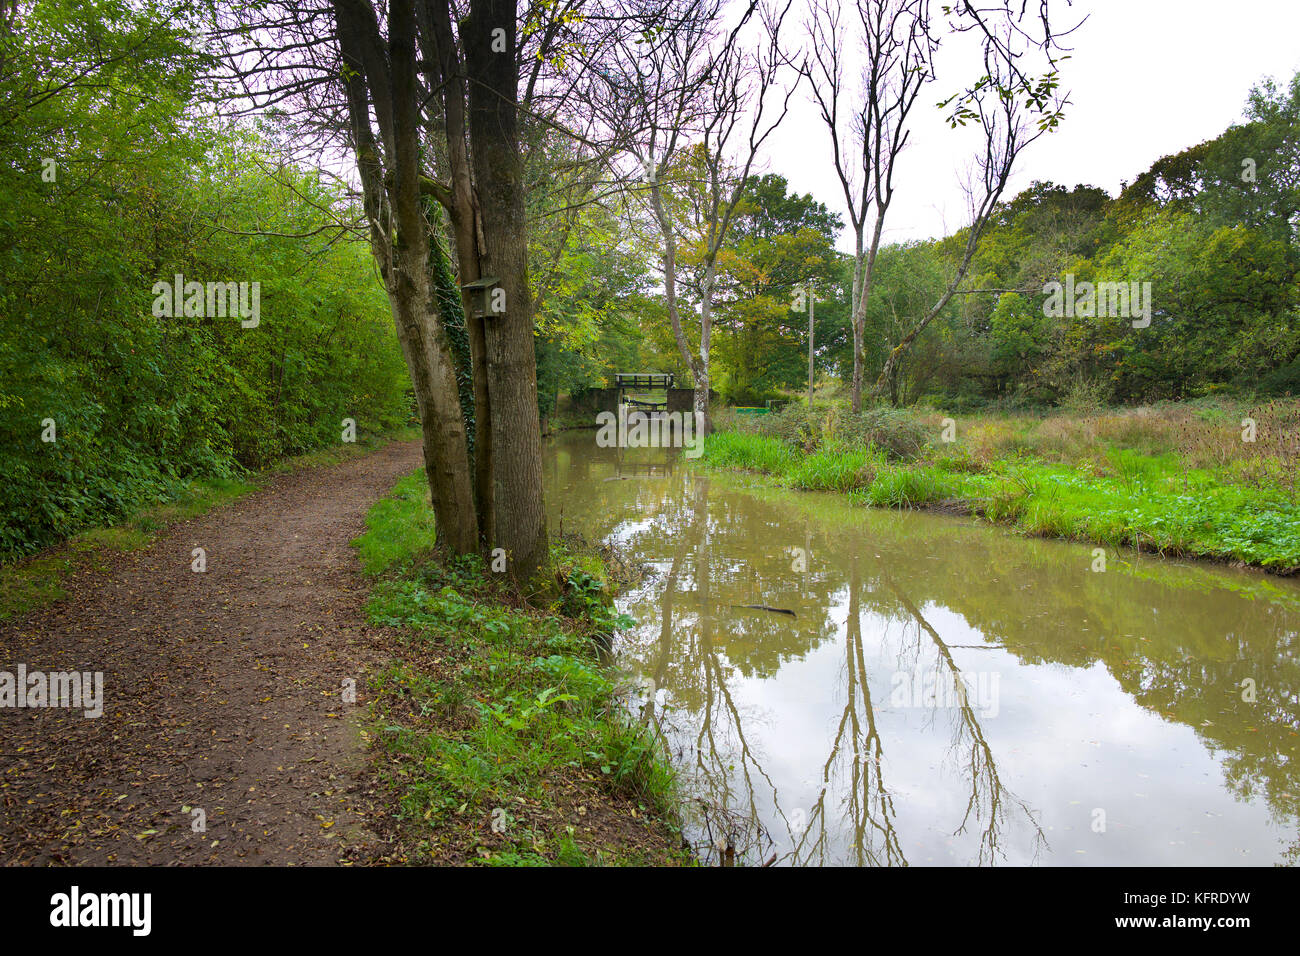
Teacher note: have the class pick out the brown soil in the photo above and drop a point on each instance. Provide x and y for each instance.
(223, 690)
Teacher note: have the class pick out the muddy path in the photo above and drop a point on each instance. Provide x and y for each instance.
(223, 691)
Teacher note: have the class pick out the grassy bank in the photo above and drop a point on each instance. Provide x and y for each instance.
(496, 733)
(33, 582)
(1176, 479)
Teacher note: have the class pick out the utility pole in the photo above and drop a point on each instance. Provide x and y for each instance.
(811, 369)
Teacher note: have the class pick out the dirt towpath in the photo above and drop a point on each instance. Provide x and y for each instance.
(223, 691)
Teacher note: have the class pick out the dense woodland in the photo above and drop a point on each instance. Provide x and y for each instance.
(146, 183)
(131, 151)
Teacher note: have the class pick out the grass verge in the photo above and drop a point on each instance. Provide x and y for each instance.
(1152, 499)
(496, 732)
(34, 582)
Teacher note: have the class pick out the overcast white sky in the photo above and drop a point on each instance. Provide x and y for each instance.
(1146, 78)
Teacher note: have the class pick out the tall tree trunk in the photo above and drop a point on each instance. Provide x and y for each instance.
(702, 421)
(446, 457)
(516, 444)
(857, 320)
(399, 240)
(462, 207)
(450, 308)
(864, 268)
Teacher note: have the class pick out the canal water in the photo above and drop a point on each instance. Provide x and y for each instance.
(845, 686)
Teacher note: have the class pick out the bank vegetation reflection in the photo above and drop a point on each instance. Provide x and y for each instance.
(725, 564)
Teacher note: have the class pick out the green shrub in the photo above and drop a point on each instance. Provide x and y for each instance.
(896, 432)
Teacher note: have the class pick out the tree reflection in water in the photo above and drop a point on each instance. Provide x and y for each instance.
(1154, 644)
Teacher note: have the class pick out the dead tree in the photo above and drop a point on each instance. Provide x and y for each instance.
(1000, 104)
(867, 116)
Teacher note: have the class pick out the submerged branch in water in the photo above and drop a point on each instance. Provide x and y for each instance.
(764, 607)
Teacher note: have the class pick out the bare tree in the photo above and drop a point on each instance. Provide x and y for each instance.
(654, 91)
(868, 116)
(744, 106)
(867, 120)
(999, 106)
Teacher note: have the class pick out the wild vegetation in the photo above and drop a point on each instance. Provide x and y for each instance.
(1217, 238)
(106, 406)
(499, 736)
(1174, 478)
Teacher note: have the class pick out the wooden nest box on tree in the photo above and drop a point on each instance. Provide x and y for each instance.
(486, 297)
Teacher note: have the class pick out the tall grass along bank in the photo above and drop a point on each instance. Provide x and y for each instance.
(1213, 480)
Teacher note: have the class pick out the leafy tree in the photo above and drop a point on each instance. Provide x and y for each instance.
(140, 187)
(781, 243)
